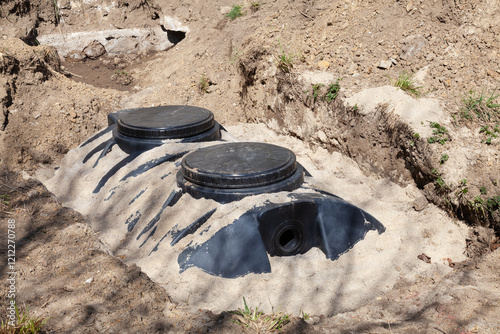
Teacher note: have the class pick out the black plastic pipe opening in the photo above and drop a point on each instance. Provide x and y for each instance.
(288, 240)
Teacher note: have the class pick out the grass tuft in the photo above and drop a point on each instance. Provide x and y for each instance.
(480, 106)
(24, 324)
(5, 199)
(121, 72)
(252, 317)
(56, 11)
(255, 6)
(204, 84)
(284, 61)
(235, 12)
(406, 83)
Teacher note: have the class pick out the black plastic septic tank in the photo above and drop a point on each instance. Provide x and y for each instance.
(145, 128)
(303, 217)
(310, 218)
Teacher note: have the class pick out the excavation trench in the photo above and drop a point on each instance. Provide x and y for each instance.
(213, 216)
(384, 130)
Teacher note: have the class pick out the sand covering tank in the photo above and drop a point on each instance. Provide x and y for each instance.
(169, 182)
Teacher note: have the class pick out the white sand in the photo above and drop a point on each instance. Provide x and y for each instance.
(307, 282)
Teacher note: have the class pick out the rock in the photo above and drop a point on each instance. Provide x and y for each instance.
(322, 136)
(75, 56)
(66, 4)
(123, 45)
(409, 6)
(323, 65)
(94, 50)
(421, 74)
(385, 64)
(494, 75)
(393, 61)
(420, 203)
(32, 193)
(411, 46)
(310, 78)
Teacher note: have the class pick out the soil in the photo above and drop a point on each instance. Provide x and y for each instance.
(51, 104)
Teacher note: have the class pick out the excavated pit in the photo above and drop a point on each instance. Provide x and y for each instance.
(245, 244)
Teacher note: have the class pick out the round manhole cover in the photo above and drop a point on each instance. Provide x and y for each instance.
(239, 165)
(166, 122)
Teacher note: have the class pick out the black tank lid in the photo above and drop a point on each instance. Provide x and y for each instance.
(238, 165)
(166, 122)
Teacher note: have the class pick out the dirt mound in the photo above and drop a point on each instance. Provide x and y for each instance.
(39, 104)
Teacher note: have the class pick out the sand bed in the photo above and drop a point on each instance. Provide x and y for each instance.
(308, 282)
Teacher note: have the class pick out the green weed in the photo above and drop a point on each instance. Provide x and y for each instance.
(120, 72)
(440, 134)
(493, 203)
(5, 199)
(315, 92)
(204, 84)
(462, 189)
(406, 83)
(24, 324)
(490, 134)
(333, 91)
(440, 184)
(235, 12)
(444, 158)
(255, 6)
(480, 106)
(478, 205)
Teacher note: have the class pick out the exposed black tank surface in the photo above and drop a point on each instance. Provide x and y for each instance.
(186, 167)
